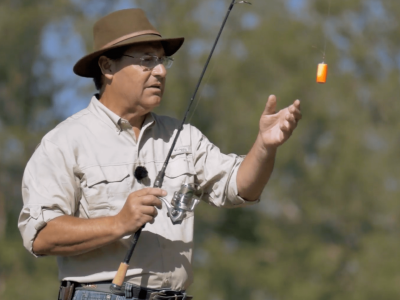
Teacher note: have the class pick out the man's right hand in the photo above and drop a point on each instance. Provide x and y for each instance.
(68, 235)
(139, 209)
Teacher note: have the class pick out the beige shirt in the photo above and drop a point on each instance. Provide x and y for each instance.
(84, 168)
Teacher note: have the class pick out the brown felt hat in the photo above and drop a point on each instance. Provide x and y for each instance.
(122, 28)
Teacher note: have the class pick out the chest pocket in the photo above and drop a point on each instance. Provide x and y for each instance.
(107, 180)
(180, 170)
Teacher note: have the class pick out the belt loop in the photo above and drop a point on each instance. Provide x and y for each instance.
(128, 290)
(154, 295)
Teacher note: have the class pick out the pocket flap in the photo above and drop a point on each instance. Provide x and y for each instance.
(179, 165)
(181, 150)
(97, 174)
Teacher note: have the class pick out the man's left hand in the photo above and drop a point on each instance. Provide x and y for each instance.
(257, 166)
(277, 127)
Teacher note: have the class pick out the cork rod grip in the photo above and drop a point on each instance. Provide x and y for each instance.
(120, 276)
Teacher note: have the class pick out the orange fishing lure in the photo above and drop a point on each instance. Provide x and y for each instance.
(322, 73)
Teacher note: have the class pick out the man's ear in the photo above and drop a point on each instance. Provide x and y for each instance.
(106, 66)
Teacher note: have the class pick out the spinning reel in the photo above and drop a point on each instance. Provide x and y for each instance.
(182, 202)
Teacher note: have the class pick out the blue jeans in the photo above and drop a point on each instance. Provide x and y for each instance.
(93, 295)
(97, 295)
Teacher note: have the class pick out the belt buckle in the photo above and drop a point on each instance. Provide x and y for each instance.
(154, 296)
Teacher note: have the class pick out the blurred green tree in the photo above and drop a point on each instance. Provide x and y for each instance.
(25, 115)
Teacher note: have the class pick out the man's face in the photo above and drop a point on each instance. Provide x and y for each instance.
(141, 88)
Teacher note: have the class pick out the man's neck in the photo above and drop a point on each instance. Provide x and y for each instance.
(135, 116)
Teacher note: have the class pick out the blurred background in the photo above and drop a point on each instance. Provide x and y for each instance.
(328, 225)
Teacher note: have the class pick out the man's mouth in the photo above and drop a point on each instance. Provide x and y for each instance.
(155, 86)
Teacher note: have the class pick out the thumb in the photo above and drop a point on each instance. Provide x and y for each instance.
(270, 106)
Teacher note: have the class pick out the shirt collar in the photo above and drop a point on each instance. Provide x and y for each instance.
(112, 119)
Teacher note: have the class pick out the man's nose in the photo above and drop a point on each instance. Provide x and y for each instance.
(159, 70)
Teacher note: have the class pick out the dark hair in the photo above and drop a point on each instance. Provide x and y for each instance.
(114, 54)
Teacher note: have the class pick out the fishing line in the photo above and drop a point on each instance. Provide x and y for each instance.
(322, 70)
(329, 14)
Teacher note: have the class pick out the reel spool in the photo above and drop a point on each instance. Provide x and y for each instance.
(182, 202)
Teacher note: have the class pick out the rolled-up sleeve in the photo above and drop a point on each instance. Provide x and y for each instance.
(48, 189)
(216, 173)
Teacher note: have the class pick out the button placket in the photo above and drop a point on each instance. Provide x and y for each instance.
(126, 126)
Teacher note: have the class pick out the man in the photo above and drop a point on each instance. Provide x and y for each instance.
(82, 198)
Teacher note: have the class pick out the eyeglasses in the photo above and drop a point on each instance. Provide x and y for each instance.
(151, 61)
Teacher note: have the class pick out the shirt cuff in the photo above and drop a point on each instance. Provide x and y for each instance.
(34, 218)
(232, 192)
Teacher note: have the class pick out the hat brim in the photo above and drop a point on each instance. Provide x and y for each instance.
(88, 66)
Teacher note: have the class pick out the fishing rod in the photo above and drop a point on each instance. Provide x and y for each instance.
(182, 201)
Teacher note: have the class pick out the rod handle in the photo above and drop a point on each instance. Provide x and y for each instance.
(120, 276)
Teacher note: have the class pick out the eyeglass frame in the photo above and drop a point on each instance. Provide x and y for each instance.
(168, 59)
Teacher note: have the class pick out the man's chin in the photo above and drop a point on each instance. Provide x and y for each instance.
(153, 102)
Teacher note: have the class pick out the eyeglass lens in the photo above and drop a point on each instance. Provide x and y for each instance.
(150, 61)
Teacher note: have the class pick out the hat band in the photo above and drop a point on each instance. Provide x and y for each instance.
(128, 36)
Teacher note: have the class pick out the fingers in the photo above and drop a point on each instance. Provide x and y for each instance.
(140, 208)
(291, 116)
(150, 200)
(149, 213)
(150, 191)
(145, 214)
(294, 109)
(288, 124)
(287, 127)
(270, 107)
(145, 199)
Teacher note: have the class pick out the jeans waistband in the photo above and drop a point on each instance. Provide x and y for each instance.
(133, 291)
